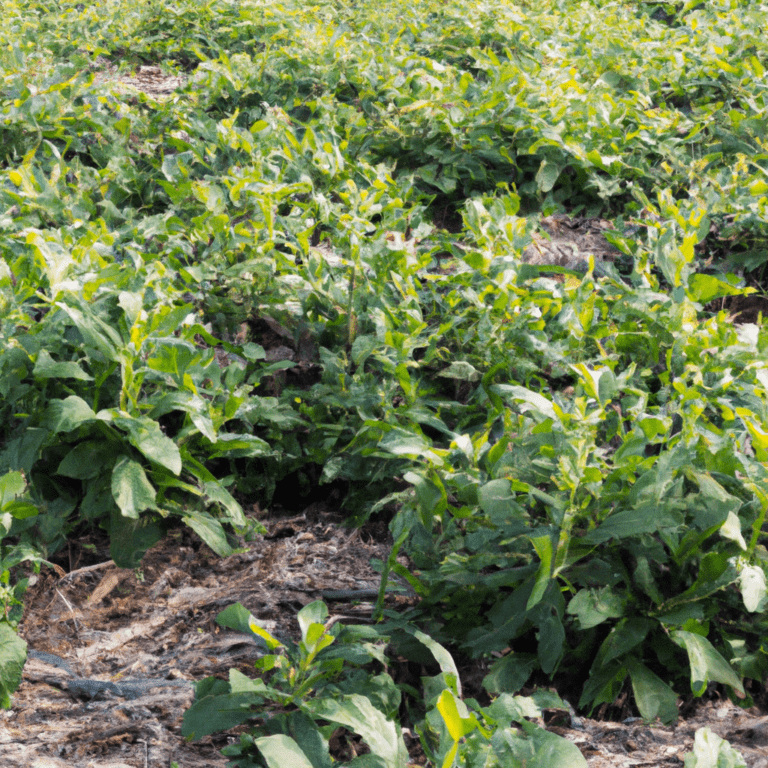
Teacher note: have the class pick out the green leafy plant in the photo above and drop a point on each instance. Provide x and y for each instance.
(290, 703)
(305, 267)
(337, 678)
(536, 520)
(710, 749)
(17, 514)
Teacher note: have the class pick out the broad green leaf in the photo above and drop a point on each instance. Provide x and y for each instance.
(599, 384)
(6, 523)
(47, 368)
(654, 698)
(713, 502)
(21, 510)
(551, 637)
(445, 183)
(253, 351)
(539, 749)
(19, 554)
(753, 588)
(758, 434)
(146, 435)
(173, 356)
(356, 712)
(518, 708)
(528, 400)
(280, 751)
(450, 755)
(711, 751)
(24, 451)
(174, 167)
(604, 684)
(314, 635)
(98, 501)
(553, 751)
(88, 459)
(625, 636)
(458, 720)
(12, 485)
(129, 539)
(131, 304)
(235, 616)
(541, 698)
(717, 570)
(166, 321)
(461, 370)
(131, 489)
(96, 332)
(596, 158)
(209, 530)
(239, 446)
(706, 663)
(645, 579)
(497, 499)
(13, 654)
(218, 494)
(442, 657)
(432, 497)
(679, 617)
(402, 443)
(306, 734)
(706, 288)
(68, 414)
(633, 522)
(547, 175)
(594, 606)
(240, 683)
(509, 673)
(315, 612)
(545, 551)
(607, 386)
(213, 714)
(238, 617)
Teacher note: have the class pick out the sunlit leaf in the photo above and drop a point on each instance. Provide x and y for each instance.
(131, 489)
(706, 663)
(709, 749)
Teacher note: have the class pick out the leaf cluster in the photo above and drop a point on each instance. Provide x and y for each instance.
(575, 461)
(338, 680)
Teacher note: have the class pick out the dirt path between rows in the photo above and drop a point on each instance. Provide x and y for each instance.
(112, 624)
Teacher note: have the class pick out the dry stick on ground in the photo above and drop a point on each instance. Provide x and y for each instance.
(87, 568)
(72, 611)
